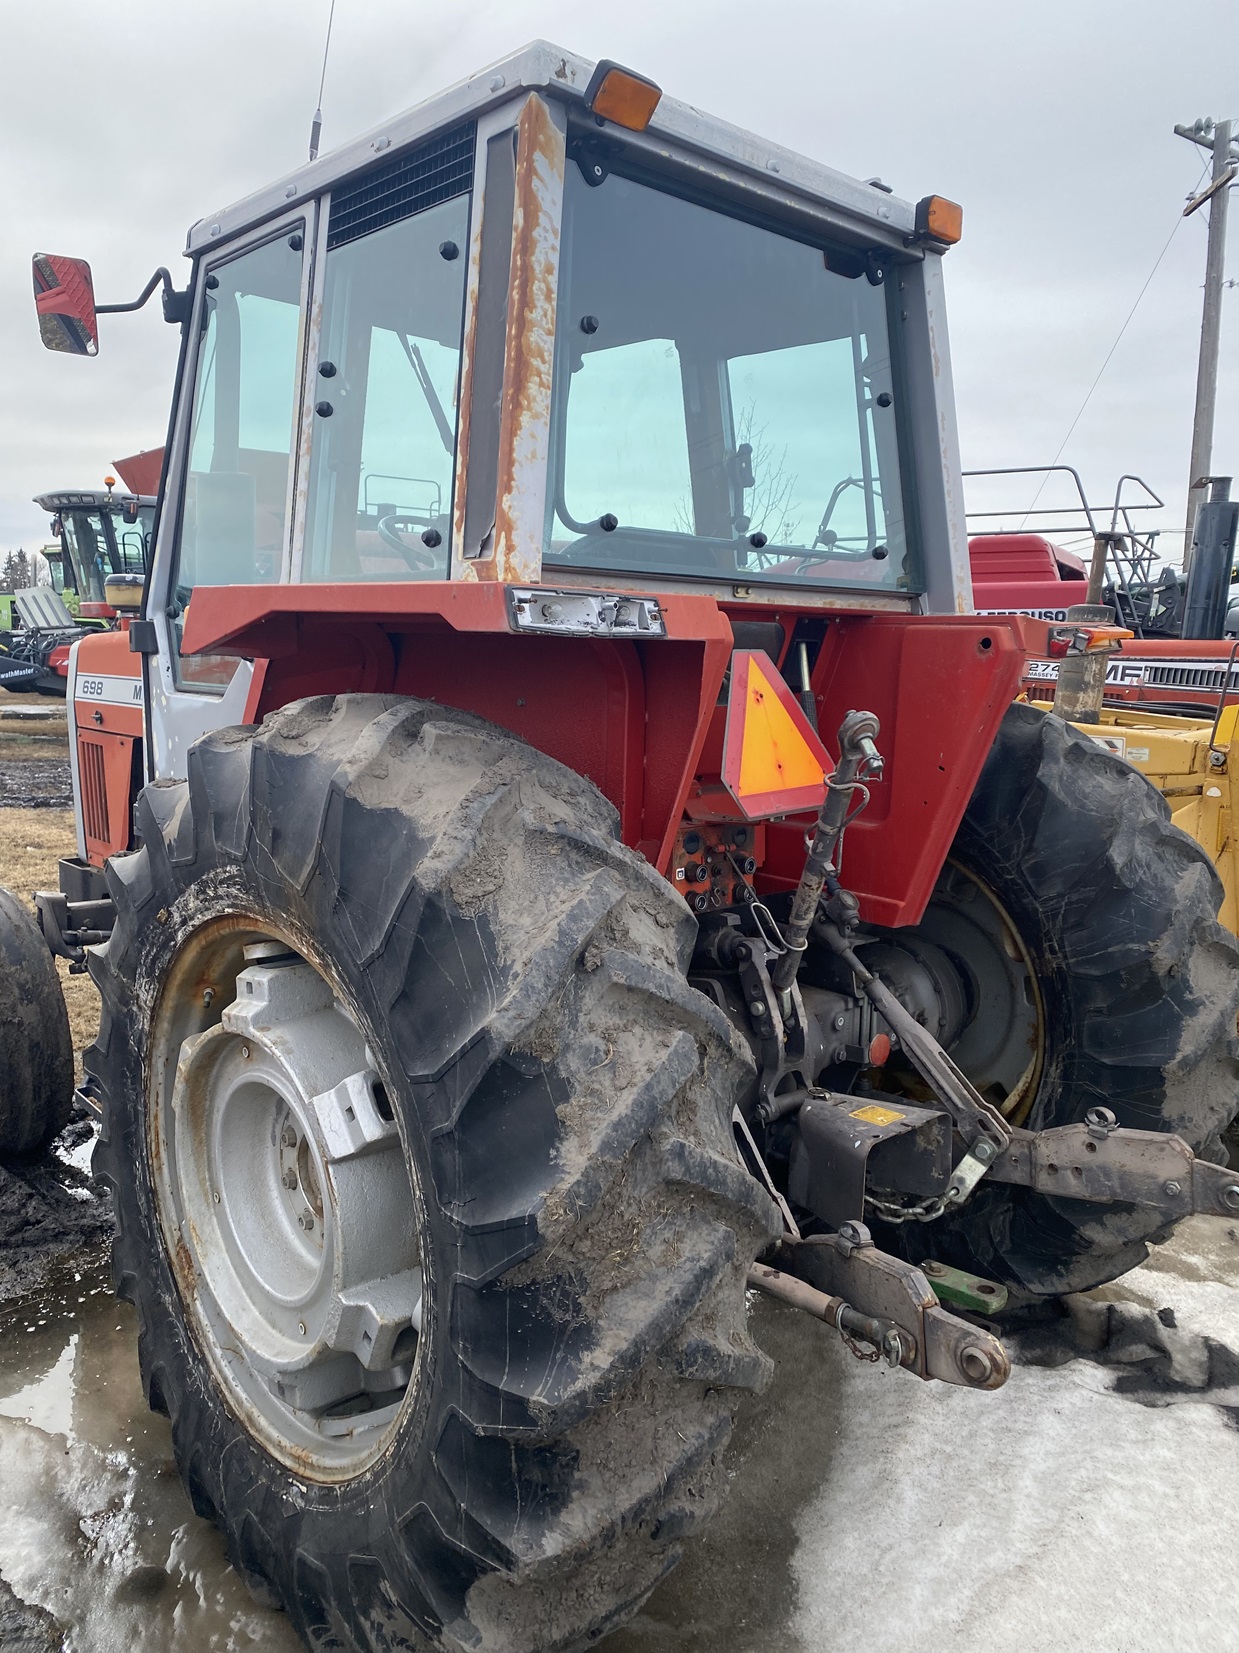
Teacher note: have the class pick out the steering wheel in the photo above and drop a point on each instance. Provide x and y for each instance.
(419, 558)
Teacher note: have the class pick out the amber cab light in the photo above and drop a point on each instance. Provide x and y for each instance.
(938, 219)
(617, 94)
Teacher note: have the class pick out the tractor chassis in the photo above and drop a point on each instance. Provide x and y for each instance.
(848, 1160)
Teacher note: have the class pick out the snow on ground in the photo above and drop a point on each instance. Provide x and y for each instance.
(1085, 1509)
(1090, 1506)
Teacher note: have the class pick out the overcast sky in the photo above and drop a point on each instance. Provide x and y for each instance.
(122, 121)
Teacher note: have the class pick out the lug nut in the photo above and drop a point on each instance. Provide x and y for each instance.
(306, 1220)
(288, 1137)
(289, 1179)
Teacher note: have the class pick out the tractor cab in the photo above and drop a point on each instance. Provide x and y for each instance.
(548, 330)
(103, 535)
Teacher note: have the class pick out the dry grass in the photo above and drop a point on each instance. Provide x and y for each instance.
(31, 843)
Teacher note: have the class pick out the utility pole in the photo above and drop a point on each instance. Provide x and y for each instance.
(1225, 168)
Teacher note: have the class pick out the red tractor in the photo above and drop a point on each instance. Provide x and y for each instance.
(498, 973)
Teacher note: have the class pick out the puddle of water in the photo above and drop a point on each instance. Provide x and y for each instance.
(94, 1526)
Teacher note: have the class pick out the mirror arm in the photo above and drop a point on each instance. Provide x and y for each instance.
(175, 305)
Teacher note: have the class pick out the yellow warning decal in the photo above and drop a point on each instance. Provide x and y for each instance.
(873, 1115)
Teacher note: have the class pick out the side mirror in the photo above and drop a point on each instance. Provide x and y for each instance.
(64, 296)
(130, 511)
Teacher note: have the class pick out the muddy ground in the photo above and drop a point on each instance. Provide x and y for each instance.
(34, 753)
(1088, 1507)
(48, 1207)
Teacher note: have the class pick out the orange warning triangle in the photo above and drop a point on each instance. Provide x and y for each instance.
(773, 761)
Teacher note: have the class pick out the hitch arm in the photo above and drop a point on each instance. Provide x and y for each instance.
(1103, 1161)
(848, 1269)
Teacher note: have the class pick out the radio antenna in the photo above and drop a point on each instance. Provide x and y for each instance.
(316, 125)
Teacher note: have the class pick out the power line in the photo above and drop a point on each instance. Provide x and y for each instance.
(1088, 398)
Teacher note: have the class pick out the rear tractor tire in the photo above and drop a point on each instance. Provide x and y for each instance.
(1107, 982)
(426, 1194)
(36, 1053)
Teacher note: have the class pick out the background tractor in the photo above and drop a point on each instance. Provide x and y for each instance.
(498, 974)
(98, 570)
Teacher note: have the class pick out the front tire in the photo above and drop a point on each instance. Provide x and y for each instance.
(515, 980)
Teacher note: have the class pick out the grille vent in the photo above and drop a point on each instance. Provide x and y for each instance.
(1190, 677)
(93, 776)
(408, 183)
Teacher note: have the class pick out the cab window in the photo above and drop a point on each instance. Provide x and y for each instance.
(235, 512)
(385, 400)
(725, 401)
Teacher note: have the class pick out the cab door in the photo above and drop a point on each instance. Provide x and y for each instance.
(227, 515)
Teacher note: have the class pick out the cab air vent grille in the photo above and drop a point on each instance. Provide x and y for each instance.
(408, 183)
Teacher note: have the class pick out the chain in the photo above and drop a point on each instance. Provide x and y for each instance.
(891, 1211)
(871, 1355)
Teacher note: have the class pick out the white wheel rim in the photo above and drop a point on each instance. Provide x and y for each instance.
(287, 1204)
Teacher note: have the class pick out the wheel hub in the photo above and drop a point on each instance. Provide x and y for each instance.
(291, 1215)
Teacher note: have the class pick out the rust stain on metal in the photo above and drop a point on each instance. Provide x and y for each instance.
(529, 354)
(186, 1272)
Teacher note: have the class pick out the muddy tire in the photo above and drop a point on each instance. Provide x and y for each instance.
(36, 1053)
(562, 1099)
(1139, 986)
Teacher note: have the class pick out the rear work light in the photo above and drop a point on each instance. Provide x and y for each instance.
(938, 219)
(617, 94)
(1086, 640)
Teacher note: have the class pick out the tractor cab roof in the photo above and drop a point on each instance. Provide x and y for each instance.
(718, 156)
(90, 499)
